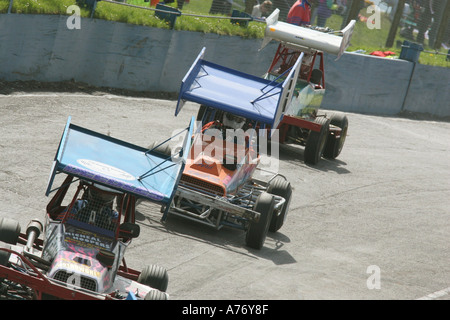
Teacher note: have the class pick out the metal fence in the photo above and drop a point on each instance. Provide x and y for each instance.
(388, 23)
(380, 23)
(423, 25)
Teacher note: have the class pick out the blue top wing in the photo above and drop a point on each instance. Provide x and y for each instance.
(119, 165)
(252, 97)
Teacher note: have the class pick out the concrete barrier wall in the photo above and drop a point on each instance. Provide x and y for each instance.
(374, 85)
(366, 84)
(429, 91)
(118, 55)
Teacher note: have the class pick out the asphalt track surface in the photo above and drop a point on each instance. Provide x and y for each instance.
(373, 224)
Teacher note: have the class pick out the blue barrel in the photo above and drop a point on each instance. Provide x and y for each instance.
(240, 14)
(168, 13)
(411, 51)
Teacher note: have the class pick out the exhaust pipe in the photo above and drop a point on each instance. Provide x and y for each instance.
(34, 229)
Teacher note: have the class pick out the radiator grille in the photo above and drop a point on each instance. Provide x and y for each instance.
(85, 283)
(202, 185)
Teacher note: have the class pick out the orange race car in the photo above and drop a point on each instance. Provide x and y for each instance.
(223, 183)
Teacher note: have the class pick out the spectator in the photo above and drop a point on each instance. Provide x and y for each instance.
(410, 17)
(314, 4)
(342, 7)
(180, 4)
(300, 13)
(323, 12)
(262, 10)
(435, 7)
(446, 43)
(424, 20)
(283, 6)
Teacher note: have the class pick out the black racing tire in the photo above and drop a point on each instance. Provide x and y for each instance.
(201, 112)
(218, 115)
(154, 276)
(125, 200)
(280, 187)
(4, 255)
(9, 230)
(316, 142)
(155, 295)
(334, 145)
(257, 231)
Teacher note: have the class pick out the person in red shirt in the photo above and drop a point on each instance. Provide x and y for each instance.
(300, 13)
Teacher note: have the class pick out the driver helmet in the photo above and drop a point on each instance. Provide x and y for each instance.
(102, 195)
(233, 121)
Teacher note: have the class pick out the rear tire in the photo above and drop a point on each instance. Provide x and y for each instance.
(9, 230)
(155, 295)
(334, 145)
(201, 112)
(155, 277)
(315, 144)
(203, 109)
(257, 231)
(280, 187)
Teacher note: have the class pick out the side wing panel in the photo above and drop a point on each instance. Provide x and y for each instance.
(119, 165)
(251, 97)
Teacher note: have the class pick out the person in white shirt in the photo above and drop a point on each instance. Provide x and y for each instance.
(262, 10)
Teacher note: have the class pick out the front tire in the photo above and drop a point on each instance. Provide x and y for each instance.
(280, 187)
(155, 277)
(155, 295)
(334, 145)
(315, 144)
(257, 231)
